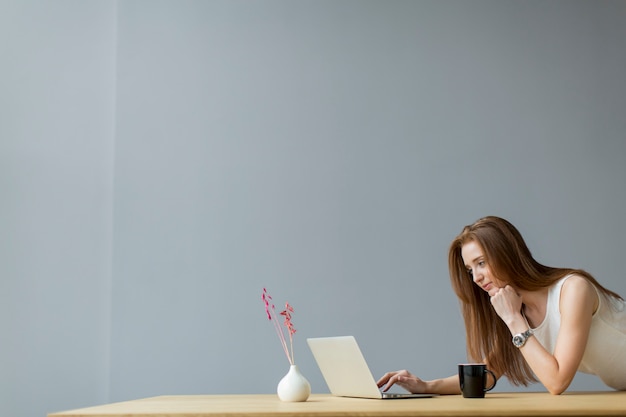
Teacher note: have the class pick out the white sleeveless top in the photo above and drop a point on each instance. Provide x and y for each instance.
(605, 354)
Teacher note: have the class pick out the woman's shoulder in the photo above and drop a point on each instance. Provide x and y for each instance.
(572, 281)
(578, 289)
(576, 280)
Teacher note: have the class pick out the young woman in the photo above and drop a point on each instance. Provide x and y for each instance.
(527, 321)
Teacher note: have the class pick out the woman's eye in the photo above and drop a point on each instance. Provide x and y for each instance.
(470, 272)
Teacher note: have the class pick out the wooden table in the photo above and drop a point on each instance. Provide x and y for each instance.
(321, 405)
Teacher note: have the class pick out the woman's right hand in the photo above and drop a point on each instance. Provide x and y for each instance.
(403, 378)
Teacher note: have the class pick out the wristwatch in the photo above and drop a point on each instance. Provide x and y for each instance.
(520, 339)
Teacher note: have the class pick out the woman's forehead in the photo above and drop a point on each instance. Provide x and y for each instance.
(470, 251)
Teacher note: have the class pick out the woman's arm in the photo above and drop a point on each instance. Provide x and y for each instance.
(415, 385)
(577, 304)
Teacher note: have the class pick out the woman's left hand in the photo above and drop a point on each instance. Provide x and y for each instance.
(507, 303)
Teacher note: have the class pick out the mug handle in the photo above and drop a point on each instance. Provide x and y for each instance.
(494, 380)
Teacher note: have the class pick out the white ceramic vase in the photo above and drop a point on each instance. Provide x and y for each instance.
(294, 386)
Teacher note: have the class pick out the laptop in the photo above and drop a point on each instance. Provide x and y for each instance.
(345, 371)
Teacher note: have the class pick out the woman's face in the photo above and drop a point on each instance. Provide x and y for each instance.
(476, 264)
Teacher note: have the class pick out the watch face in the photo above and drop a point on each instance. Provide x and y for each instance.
(518, 340)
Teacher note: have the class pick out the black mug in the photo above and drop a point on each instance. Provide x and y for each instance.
(473, 380)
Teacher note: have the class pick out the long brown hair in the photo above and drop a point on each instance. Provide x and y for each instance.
(510, 261)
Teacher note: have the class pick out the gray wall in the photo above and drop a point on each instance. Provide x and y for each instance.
(326, 150)
(57, 92)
